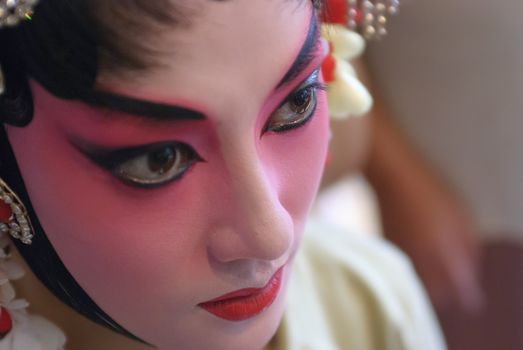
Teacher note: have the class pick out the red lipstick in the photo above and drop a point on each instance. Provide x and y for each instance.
(245, 303)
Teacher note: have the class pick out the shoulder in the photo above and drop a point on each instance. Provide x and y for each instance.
(363, 294)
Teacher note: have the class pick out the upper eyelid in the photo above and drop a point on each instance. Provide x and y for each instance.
(302, 85)
(110, 158)
(311, 80)
(308, 59)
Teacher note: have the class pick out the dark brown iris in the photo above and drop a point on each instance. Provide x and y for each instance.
(301, 101)
(162, 161)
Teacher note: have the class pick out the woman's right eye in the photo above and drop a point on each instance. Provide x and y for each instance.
(157, 166)
(148, 166)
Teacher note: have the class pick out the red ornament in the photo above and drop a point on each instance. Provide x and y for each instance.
(327, 68)
(6, 323)
(357, 18)
(335, 12)
(5, 212)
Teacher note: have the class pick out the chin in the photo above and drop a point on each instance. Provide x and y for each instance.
(211, 332)
(252, 334)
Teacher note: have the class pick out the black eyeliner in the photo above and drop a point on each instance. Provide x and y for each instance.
(314, 82)
(110, 158)
(291, 126)
(315, 85)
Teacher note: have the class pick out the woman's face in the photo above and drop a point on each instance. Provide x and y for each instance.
(157, 218)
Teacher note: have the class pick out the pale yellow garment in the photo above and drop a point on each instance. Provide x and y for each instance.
(355, 292)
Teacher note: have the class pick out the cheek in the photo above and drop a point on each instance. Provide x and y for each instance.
(112, 238)
(298, 158)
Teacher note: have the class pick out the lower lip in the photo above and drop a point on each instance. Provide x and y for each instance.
(246, 303)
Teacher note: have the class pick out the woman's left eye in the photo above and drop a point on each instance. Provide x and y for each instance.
(298, 108)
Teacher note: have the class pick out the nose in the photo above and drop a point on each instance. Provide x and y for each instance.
(255, 223)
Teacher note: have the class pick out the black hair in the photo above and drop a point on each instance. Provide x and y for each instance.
(67, 43)
(63, 48)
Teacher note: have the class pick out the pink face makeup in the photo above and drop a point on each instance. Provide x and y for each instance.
(207, 255)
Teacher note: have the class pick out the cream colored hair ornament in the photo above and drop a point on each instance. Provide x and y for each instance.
(346, 94)
(347, 22)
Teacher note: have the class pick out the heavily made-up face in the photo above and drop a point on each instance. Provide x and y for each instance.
(183, 226)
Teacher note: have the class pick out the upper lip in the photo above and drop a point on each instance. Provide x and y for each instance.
(242, 293)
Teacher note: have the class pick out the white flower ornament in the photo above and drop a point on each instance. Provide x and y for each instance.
(20, 330)
(346, 95)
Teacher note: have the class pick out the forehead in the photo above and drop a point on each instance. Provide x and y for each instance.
(230, 47)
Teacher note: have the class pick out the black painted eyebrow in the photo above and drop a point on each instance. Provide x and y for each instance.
(148, 109)
(306, 54)
(165, 112)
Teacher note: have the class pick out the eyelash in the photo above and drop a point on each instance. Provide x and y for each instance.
(313, 87)
(115, 160)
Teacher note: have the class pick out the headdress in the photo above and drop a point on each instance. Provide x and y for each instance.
(367, 17)
(345, 25)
